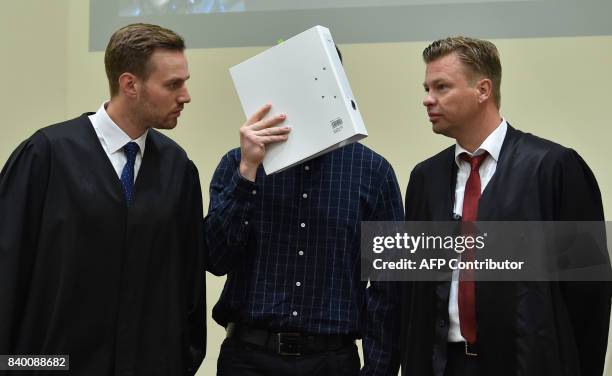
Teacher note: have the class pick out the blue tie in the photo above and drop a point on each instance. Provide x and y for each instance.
(127, 175)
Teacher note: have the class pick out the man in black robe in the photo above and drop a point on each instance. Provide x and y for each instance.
(101, 255)
(497, 173)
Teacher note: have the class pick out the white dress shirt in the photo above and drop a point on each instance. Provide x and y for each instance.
(114, 138)
(492, 145)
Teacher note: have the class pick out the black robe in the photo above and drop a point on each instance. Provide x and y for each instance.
(121, 291)
(524, 328)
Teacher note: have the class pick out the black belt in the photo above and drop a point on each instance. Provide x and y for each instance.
(288, 343)
(467, 348)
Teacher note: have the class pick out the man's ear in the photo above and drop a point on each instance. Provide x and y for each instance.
(128, 84)
(485, 89)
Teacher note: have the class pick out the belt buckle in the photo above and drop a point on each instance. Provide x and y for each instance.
(470, 349)
(289, 343)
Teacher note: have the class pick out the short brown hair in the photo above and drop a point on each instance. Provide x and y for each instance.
(479, 56)
(130, 48)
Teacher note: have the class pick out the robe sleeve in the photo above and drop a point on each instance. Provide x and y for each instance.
(414, 199)
(413, 202)
(577, 198)
(196, 283)
(23, 184)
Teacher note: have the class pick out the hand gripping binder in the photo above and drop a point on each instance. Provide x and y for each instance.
(303, 78)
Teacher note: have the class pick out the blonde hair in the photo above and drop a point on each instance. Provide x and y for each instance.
(480, 57)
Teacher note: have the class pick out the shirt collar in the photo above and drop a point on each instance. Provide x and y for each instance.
(114, 136)
(492, 144)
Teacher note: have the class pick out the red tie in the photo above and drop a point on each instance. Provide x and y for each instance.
(467, 290)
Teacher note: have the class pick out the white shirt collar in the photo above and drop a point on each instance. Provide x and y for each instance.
(492, 144)
(114, 136)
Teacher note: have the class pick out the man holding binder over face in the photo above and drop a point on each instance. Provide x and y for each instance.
(294, 302)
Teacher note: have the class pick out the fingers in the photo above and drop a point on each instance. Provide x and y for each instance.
(267, 123)
(273, 131)
(265, 136)
(272, 139)
(270, 135)
(259, 114)
(255, 121)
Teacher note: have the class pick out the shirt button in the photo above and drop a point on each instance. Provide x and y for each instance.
(305, 195)
(302, 225)
(254, 192)
(301, 253)
(298, 284)
(442, 323)
(307, 168)
(246, 222)
(294, 313)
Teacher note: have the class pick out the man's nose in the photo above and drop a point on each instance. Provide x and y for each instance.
(428, 100)
(184, 97)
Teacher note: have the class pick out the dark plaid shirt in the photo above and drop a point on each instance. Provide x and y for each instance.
(290, 246)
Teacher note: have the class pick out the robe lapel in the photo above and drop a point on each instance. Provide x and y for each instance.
(487, 207)
(99, 158)
(444, 196)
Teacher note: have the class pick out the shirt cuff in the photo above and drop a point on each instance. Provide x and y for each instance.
(241, 188)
